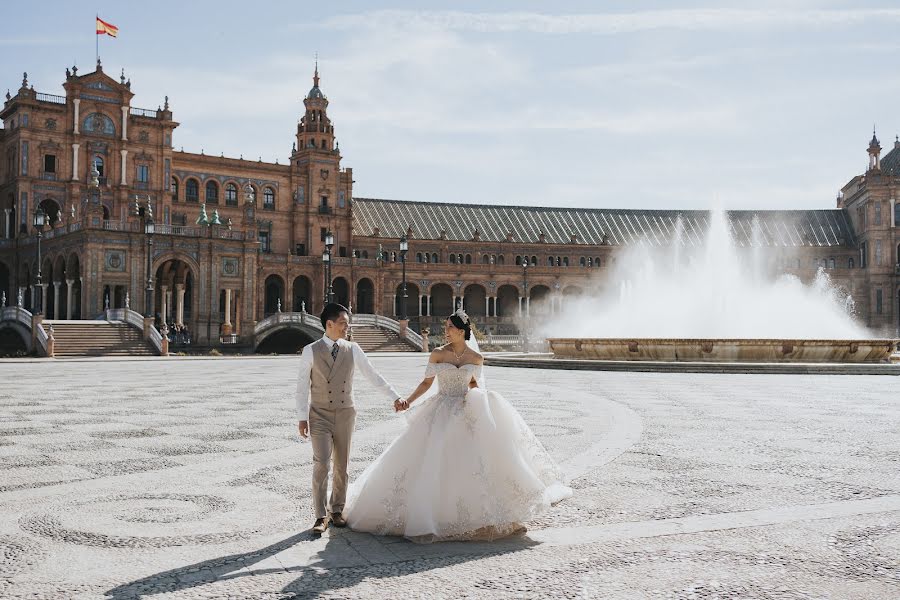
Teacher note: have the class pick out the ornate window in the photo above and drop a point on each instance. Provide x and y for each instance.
(191, 191)
(269, 199)
(212, 192)
(231, 195)
(175, 189)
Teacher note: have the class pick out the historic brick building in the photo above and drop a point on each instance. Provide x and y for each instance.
(236, 240)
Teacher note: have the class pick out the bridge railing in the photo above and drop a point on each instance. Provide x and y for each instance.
(298, 318)
(388, 323)
(16, 313)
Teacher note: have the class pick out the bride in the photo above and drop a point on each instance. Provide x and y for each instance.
(467, 467)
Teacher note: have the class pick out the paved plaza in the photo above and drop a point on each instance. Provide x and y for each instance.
(185, 478)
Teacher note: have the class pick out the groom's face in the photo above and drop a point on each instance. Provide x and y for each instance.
(338, 328)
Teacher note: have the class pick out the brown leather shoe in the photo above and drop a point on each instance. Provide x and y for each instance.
(320, 525)
(338, 520)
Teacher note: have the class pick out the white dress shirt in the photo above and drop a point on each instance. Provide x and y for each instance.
(360, 361)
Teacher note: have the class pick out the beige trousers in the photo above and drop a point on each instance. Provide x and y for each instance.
(330, 432)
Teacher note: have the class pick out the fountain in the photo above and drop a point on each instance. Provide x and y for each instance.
(711, 303)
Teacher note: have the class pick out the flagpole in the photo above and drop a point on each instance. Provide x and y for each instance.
(97, 36)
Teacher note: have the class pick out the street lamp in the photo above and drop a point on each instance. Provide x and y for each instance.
(146, 214)
(404, 248)
(326, 259)
(40, 219)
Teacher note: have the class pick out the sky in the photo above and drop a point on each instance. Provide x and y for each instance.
(765, 105)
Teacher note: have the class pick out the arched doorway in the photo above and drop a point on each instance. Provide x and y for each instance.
(539, 300)
(441, 300)
(287, 341)
(52, 210)
(412, 300)
(341, 290)
(174, 295)
(46, 300)
(365, 297)
(571, 293)
(474, 300)
(274, 287)
(507, 301)
(301, 294)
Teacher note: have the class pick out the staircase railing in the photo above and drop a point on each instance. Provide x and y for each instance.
(136, 319)
(42, 338)
(383, 322)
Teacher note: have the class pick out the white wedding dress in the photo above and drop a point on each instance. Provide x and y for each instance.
(466, 467)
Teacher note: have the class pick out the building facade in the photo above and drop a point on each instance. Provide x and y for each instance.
(236, 240)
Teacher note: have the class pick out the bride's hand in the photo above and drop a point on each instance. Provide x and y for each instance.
(400, 405)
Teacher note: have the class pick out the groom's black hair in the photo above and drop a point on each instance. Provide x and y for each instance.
(332, 311)
(460, 324)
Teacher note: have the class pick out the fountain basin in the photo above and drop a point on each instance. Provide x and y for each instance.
(724, 350)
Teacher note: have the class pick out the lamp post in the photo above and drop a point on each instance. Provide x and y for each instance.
(146, 214)
(525, 303)
(404, 248)
(326, 259)
(40, 219)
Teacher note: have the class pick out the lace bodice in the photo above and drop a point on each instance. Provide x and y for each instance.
(452, 380)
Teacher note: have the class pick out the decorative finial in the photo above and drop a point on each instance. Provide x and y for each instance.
(279, 305)
(122, 76)
(99, 64)
(74, 69)
(316, 73)
(166, 105)
(68, 73)
(25, 80)
(149, 209)
(293, 145)
(8, 96)
(203, 219)
(127, 300)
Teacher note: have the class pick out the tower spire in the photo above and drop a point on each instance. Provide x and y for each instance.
(316, 73)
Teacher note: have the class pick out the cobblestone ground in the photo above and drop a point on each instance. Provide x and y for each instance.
(186, 479)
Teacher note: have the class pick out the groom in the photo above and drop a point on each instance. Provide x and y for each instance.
(325, 408)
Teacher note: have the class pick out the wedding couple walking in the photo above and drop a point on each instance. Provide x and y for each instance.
(466, 466)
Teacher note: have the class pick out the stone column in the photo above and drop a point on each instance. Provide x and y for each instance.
(237, 313)
(6, 212)
(124, 162)
(75, 148)
(226, 327)
(179, 304)
(77, 102)
(164, 303)
(521, 303)
(124, 125)
(56, 285)
(43, 298)
(69, 297)
(427, 305)
(487, 306)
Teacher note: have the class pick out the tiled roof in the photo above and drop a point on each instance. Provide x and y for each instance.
(428, 220)
(890, 162)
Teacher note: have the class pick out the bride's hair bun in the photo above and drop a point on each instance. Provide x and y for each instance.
(459, 323)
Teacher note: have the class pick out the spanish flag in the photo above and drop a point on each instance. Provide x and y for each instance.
(108, 29)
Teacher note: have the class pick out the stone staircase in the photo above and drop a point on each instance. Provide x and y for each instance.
(374, 339)
(98, 338)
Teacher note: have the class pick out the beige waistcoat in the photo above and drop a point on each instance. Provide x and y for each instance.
(331, 382)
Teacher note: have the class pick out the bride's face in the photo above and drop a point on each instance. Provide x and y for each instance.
(451, 332)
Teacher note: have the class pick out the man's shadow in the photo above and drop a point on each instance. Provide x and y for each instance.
(337, 565)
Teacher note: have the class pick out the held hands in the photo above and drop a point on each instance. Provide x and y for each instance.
(400, 405)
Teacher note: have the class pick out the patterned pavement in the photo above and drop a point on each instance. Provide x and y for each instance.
(184, 478)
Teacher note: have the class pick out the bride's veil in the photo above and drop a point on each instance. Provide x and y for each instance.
(473, 344)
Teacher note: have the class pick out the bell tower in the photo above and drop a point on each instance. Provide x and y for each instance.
(322, 190)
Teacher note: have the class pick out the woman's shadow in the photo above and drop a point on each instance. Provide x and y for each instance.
(340, 564)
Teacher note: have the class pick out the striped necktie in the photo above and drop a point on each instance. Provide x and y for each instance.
(334, 351)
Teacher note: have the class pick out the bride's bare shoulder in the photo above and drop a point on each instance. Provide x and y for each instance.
(437, 355)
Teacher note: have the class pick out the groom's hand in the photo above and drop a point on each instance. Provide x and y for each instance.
(304, 429)
(400, 405)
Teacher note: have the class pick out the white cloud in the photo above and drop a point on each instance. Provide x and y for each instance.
(609, 23)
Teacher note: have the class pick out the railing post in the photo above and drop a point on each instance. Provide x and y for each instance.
(36, 320)
(51, 343)
(164, 345)
(424, 340)
(148, 323)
